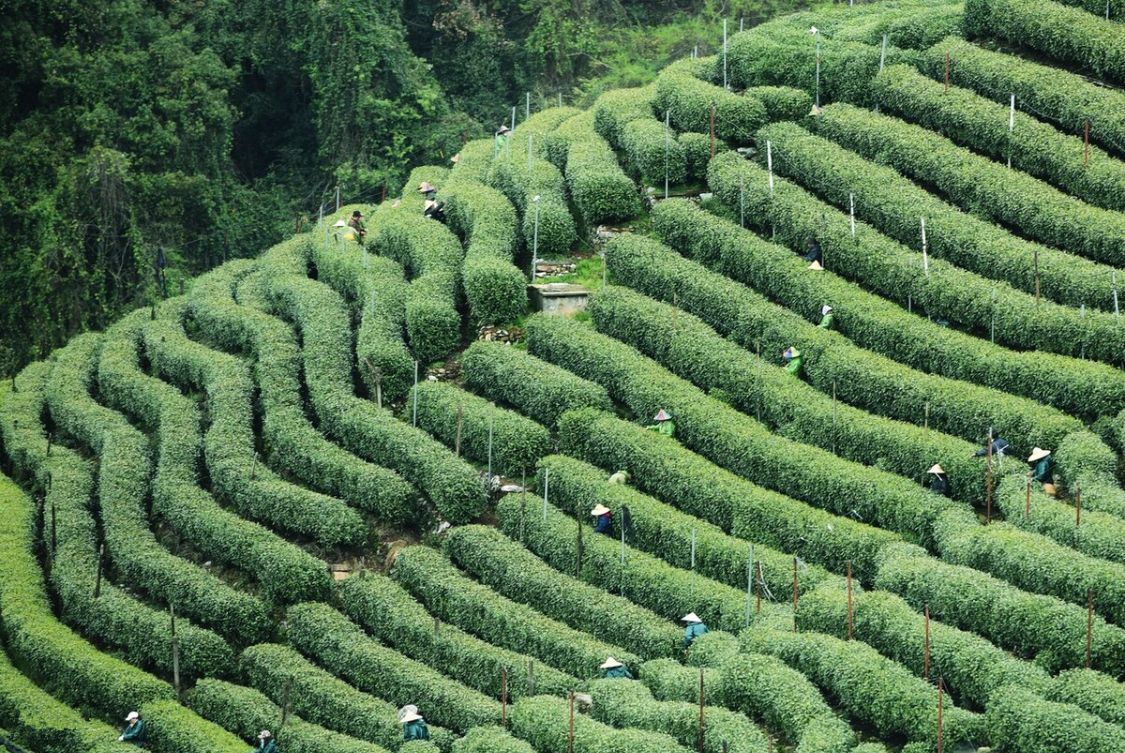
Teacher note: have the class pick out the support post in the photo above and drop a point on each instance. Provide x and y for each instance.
(337, 197)
(883, 54)
(98, 578)
(414, 421)
(570, 729)
(490, 451)
(535, 240)
(988, 481)
(175, 651)
(940, 732)
(769, 163)
(527, 106)
(667, 146)
(926, 646)
(701, 722)
(794, 594)
(726, 82)
(1089, 625)
(851, 613)
(818, 71)
(749, 582)
(925, 250)
(1011, 127)
(460, 423)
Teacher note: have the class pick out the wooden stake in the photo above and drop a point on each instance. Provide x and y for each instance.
(851, 615)
(926, 649)
(504, 696)
(712, 130)
(175, 652)
(570, 731)
(1027, 499)
(758, 589)
(947, 71)
(701, 726)
(1089, 625)
(988, 477)
(940, 691)
(794, 594)
(460, 422)
(1086, 145)
(1077, 505)
(98, 578)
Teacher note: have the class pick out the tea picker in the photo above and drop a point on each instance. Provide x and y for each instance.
(793, 360)
(999, 447)
(615, 670)
(426, 189)
(813, 252)
(1042, 469)
(134, 731)
(825, 317)
(266, 743)
(940, 483)
(413, 725)
(502, 138)
(694, 628)
(621, 477)
(433, 210)
(603, 519)
(664, 424)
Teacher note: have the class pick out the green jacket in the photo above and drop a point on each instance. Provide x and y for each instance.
(693, 631)
(416, 730)
(134, 733)
(266, 746)
(826, 321)
(501, 141)
(619, 673)
(794, 366)
(1042, 472)
(667, 428)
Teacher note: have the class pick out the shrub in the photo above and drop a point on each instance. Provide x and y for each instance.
(689, 101)
(1084, 461)
(319, 631)
(599, 188)
(543, 722)
(171, 728)
(624, 117)
(1100, 534)
(694, 351)
(321, 698)
(384, 608)
(697, 153)
(974, 121)
(782, 102)
(626, 703)
(861, 377)
(1087, 389)
(539, 390)
(490, 740)
(1019, 721)
(1067, 99)
(450, 595)
(870, 688)
(909, 25)
(517, 442)
(243, 712)
(521, 185)
(986, 188)
(1068, 34)
(1095, 692)
(513, 571)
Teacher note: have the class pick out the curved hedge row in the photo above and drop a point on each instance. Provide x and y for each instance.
(667, 470)
(543, 722)
(116, 617)
(171, 728)
(1084, 461)
(911, 25)
(319, 631)
(663, 531)
(1091, 691)
(291, 441)
(1022, 722)
(236, 474)
(1099, 535)
(894, 205)
(384, 608)
(323, 699)
(490, 740)
(512, 177)
(450, 483)
(1065, 98)
(798, 411)
(1080, 388)
(670, 592)
(870, 688)
(988, 189)
(510, 569)
(1068, 34)
(1045, 628)
(697, 153)
(625, 703)
(600, 189)
(688, 100)
(972, 667)
(974, 121)
(447, 593)
(539, 390)
(624, 118)
(60, 661)
(244, 711)
(517, 442)
(861, 377)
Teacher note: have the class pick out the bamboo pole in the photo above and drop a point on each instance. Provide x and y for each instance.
(851, 614)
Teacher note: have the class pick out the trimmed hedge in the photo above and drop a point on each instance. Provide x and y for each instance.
(869, 687)
(1095, 692)
(1100, 534)
(893, 204)
(662, 467)
(58, 660)
(244, 711)
(988, 189)
(1066, 99)
(517, 442)
(974, 121)
(490, 740)
(663, 531)
(972, 667)
(539, 390)
(798, 411)
(511, 176)
(1080, 388)
(321, 698)
(291, 441)
(116, 617)
(861, 377)
(1022, 722)
(236, 475)
(689, 100)
(600, 189)
(697, 153)
(341, 647)
(510, 569)
(909, 24)
(1085, 461)
(624, 118)
(1045, 628)
(385, 609)
(626, 703)
(543, 722)
(782, 102)
(171, 728)
(448, 594)
(1068, 34)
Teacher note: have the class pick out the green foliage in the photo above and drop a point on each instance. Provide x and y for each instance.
(1085, 462)
(911, 24)
(1081, 388)
(1100, 535)
(171, 728)
(450, 595)
(624, 118)
(599, 188)
(490, 740)
(1091, 691)
(341, 647)
(543, 722)
(697, 153)
(539, 390)
(871, 689)
(782, 102)
(517, 442)
(391, 614)
(1068, 34)
(244, 712)
(509, 568)
(688, 100)
(1019, 720)
(627, 703)
(974, 121)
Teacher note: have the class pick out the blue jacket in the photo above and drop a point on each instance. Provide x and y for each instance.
(618, 673)
(266, 746)
(604, 524)
(693, 631)
(134, 733)
(416, 730)
(1042, 472)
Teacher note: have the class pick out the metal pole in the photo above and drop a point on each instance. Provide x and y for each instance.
(726, 83)
(415, 419)
(535, 240)
(701, 724)
(490, 450)
(926, 658)
(940, 691)
(1089, 625)
(833, 415)
(667, 146)
(850, 612)
(883, 54)
(988, 498)
(925, 250)
(1011, 127)
(460, 423)
(175, 651)
(749, 582)
(818, 71)
(794, 594)
(712, 130)
(546, 486)
(527, 106)
(570, 730)
(337, 197)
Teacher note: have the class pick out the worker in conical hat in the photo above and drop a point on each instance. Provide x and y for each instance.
(825, 317)
(940, 482)
(816, 267)
(603, 519)
(455, 158)
(502, 137)
(426, 189)
(433, 210)
(413, 725)
(999, 447)
(663, 423)
(1041, 469)
(615, 670)
(621, 477)
(134, 731)
(813, 251)
(793, 360)
(356, 224)
(694, 628)
(266, 743)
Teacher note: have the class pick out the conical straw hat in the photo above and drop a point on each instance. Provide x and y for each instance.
(1038, 454)
(599, 510)
(610, 663)
(936, 469)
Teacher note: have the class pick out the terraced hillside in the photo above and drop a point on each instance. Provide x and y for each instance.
(281, 500)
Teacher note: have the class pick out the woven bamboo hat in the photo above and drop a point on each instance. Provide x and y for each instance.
(599, 510)
(1038, 454)
(610, 663)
